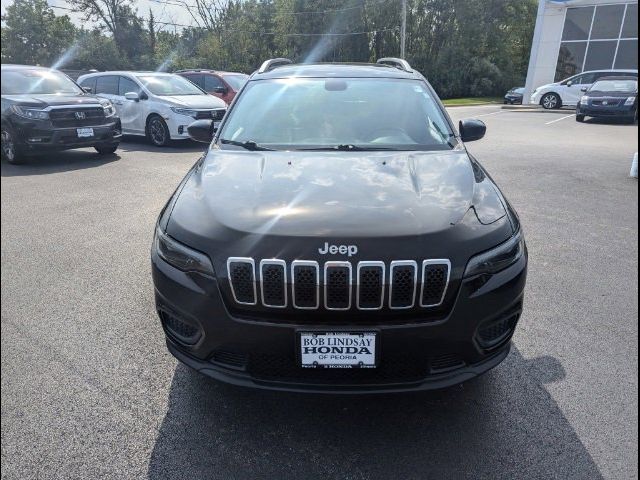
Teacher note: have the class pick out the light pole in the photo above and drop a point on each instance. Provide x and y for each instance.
(403, 28)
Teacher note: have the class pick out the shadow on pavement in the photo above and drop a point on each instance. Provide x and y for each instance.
(57, 162)
(503, 425)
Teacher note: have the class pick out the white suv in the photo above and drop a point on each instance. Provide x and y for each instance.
(568, 91)
(158, 105)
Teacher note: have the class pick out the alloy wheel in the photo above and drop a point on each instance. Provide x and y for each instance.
(157, 131)
(550, 102)
(8, 147)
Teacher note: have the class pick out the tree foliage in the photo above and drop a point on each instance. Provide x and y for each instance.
(464, 47)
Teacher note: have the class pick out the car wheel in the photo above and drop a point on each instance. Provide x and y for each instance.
(550, 101)
(158, 132)
(10, 151)
(579, 118)
(106, 149)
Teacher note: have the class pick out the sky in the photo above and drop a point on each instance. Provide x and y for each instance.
(161, 11)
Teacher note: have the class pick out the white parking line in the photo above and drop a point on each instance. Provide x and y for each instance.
(487, 114)
(560, 119)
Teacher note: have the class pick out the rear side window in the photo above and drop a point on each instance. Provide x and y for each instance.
(107, 84)
(212, 82)
(127, 85)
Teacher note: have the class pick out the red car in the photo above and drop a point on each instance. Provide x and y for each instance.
(223, 85)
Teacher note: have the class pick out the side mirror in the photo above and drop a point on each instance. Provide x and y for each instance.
(472, 129)
(220, 90)
(87, 89)
(569, 83)
(583, 89)
(202, 130)
(132, 96)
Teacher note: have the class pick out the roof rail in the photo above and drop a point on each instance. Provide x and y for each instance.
(273, 63)
(396, 62)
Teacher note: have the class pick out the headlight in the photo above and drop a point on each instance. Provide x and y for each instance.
(109, 109)
(180, 256)
(185, 111)
(584, 99)
(630, 101)
(497, 259)
(30, 113)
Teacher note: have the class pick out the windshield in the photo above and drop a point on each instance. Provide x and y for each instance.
(43, 82)
(519, 90)
(164, 85)
(615, 86)
(236, 81)
(347, 113)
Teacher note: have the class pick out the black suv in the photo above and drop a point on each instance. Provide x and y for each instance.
(44, 110)
(337, 236)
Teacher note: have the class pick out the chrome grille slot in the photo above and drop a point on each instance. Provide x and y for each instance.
(273, 283)
(403, 276)
(370, 291)
(435, 278)
(337, 285)
(242, 279)
(305, 284)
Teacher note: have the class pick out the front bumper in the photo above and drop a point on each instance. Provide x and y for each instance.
(624, 111)
(34, 137)
(416, 356)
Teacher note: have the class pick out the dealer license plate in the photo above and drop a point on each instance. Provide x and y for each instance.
(337, 350)
(84, 132)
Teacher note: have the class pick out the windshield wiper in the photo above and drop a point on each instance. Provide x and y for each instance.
(247, 145)
(345, 148)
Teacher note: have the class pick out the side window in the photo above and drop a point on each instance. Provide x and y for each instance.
(198, 79)
(107, 84)
(90, 83)
(127, 85)
(211, 82)
(586, 79)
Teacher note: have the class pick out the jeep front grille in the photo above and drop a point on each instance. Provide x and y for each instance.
(339, 285)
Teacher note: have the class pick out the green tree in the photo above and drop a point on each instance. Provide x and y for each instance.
(32, 34)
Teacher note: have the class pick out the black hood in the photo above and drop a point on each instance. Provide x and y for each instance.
(287, 204)
(42, 101)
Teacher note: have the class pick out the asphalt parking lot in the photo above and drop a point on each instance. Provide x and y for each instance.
(89, 390)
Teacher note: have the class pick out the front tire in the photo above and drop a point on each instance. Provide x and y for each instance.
(158, 132)
(106, 149)
(579, 118)
(10, 150)
(551, 101)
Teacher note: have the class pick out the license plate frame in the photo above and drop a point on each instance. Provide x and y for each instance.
(86, 132)
(362, 360)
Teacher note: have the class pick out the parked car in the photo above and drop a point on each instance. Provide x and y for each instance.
(614, 97)
(568, 91)
(159, 106)
(43, 110)
(339, 240)
(224, 85)
(514, 96)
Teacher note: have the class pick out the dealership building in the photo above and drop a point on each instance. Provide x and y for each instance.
(573, 36)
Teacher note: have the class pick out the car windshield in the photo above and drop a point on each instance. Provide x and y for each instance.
(164, 85)
(236, 81)
(338, 113)
(42, 82)
(518, 90)
(615, 86)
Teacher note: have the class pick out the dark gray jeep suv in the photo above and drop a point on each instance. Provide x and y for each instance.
(338, 237)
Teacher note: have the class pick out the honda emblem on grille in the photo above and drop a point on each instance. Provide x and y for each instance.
(81, 115)
(605, 102)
